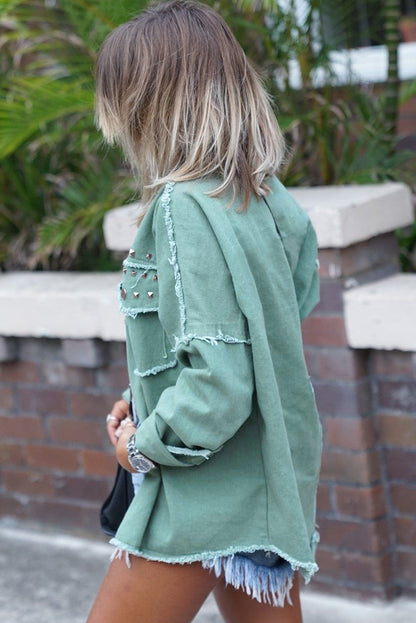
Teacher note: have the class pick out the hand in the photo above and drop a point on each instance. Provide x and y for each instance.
(119, 411)
(125, 431)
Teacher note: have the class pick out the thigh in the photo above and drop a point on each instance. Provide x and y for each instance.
(238, 607)
(150, 591)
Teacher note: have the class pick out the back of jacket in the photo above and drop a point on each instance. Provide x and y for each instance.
(213, 299)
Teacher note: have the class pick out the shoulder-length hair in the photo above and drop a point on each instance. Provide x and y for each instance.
(176, 92)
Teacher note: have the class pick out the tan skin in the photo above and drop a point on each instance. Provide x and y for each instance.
(157, 592)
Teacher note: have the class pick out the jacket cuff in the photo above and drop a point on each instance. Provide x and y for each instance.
(148, 442)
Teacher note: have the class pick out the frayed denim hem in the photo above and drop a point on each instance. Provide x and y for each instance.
(266, 584)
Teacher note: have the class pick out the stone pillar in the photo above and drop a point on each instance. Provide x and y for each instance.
(357, 246)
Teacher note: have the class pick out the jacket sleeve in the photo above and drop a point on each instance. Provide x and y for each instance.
(306, 275)
(212, 396)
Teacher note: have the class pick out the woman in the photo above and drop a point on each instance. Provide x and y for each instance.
(221, 272)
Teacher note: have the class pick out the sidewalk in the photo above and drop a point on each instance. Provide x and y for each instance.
(50, 577)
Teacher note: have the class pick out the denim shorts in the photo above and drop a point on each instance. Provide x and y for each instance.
(263, 575)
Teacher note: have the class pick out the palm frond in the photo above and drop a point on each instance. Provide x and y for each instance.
(33, 102)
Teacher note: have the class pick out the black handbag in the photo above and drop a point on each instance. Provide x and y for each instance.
(117, 503)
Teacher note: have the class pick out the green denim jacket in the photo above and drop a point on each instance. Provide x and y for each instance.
(213, 299)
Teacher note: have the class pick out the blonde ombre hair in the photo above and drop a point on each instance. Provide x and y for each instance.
(176, 92)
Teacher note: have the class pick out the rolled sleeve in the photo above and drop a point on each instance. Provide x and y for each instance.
(205, 408)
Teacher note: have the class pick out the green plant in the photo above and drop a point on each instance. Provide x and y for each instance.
(57, 180)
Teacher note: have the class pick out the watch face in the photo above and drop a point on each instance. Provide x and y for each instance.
(142, 464)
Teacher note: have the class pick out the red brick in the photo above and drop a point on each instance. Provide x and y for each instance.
(117, 353)
(363, 502)
(21, 427)
(355, 568)
(330, 562)
(405, 528)
(19, 372)
(346, 467)
(349, 433)
(398, 395)
(81, 432)
(330, 263)
(341, 363)
(324, 331)
(27, 481)
(42, 401)
(6, 399)
(11, 453)
(82, 488)
(401, 464)
(92, 405)
(66, 515)
(397, 430)
(369, 569)
(370, 537)
(113, 377)
(404, 498)
(324, 505)
(346, 398)
(12, 506)
(408, 107)
(355, 591)
(406, 567)
(394, 363)
(376, 252)
(330, 297)
(58, 374)
(99, 463)
(53, 458)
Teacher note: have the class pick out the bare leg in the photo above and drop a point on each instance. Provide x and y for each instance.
(153, 592)
(238, 607)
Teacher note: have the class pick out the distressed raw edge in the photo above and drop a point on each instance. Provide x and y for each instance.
(128, 263)
(189, 452)
(308, 569)
(173, 261)
(134, 311)
(265, 584)
(156, 369)
(213, 340)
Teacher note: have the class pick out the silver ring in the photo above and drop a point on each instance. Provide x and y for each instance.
(110, 418)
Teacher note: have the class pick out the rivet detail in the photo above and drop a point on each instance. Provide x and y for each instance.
(150, 295)
(133, 273)
(136, 295)
(148, 256)
(124, 270)
(144, 276)
(123, 293)
(154, 277)
(132, 252)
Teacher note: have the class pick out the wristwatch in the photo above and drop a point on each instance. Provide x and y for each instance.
(137, 460)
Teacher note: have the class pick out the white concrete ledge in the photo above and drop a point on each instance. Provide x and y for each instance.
(341, 215)
(344, 215)
(60, 305)
(381, 315)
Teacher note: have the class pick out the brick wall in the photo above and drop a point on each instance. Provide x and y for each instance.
(394, 388)
(367, 402)
(57, 465)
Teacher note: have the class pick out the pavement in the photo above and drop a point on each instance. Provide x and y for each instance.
(47, 576)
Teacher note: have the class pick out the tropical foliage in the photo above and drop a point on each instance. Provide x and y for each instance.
(57, 179)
